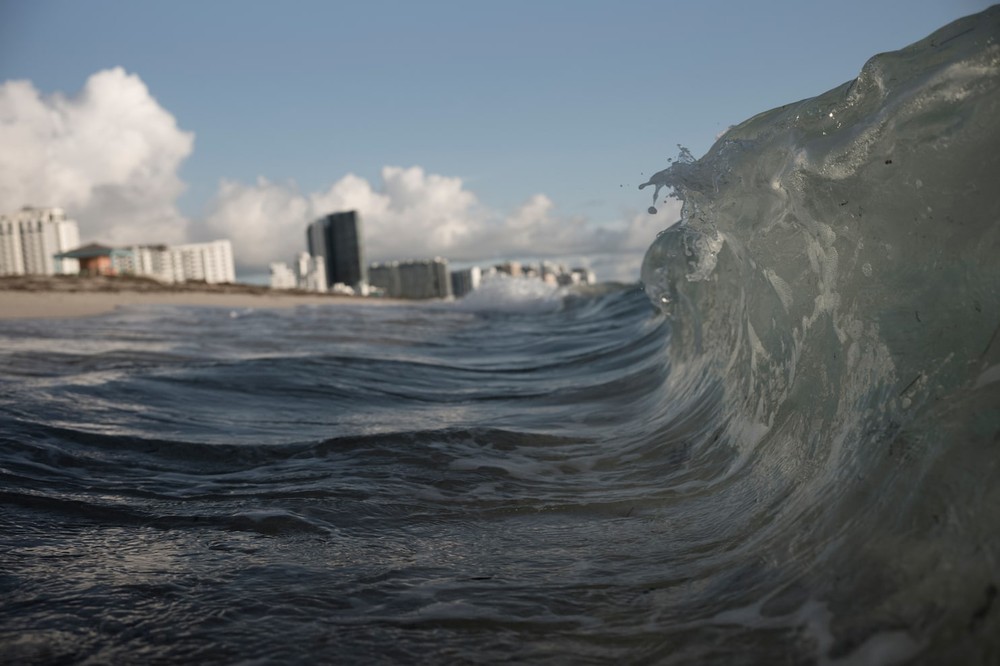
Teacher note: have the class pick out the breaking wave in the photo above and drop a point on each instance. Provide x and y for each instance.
(836, 273)
(781, 449)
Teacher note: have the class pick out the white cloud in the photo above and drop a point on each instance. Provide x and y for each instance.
(108, 155)
(265, 221)
(413, 214)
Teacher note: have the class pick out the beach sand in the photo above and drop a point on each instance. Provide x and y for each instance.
(20, 304)
(60, 297)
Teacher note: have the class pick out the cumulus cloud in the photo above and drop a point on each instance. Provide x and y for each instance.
(413, 214)
(109, 156)
(410, 211)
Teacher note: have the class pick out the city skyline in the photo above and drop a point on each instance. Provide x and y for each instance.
(44, 241)
(334, 260)
(469, 132)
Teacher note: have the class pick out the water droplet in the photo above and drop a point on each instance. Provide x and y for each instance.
(651, 210)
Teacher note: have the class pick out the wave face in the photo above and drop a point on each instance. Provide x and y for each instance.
(836, 271)
(781, 449)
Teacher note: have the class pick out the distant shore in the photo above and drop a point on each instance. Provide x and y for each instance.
(31, 297)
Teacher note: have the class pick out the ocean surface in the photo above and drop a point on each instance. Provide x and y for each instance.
(782, 447)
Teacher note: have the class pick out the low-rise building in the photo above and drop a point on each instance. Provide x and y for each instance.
(95, 259)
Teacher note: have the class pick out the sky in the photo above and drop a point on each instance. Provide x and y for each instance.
(469, 130)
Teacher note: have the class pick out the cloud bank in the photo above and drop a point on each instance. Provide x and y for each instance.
(413, 214)
(110, 156)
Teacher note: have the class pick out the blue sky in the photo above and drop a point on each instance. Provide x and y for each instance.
(537, 119)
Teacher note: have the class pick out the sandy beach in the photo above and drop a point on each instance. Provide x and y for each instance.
(84, 297)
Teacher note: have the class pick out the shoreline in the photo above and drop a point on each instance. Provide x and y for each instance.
(64, 299)
(68, 305)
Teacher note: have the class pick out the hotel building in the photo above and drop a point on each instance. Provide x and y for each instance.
(31, 238)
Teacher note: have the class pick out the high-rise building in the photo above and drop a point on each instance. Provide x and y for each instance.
(31, 238)
(337, 238)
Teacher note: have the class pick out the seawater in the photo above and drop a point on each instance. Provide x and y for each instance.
(781, 447)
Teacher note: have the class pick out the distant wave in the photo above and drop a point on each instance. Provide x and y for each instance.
(511, 294)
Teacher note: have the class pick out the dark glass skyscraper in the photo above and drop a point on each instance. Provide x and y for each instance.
(337, 238)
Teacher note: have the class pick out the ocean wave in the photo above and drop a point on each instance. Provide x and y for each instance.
(783, 451)
(835, 267)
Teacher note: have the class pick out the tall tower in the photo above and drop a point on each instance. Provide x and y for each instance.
(337, 238)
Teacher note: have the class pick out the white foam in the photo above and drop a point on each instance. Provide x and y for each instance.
(814, 618)
(511, 294)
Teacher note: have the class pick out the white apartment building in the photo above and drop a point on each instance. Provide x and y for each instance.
(31, 237)
(211, 262)
(147, 260)
(282, 277)
(309, 274)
